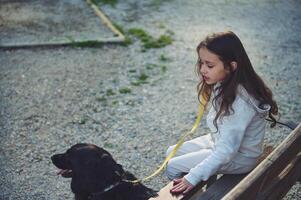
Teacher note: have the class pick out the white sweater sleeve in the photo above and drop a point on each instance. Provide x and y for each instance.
(231, 130)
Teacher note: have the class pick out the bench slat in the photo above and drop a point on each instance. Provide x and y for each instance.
(164, 194)
(287, 178)
(198, 189)
(223, 185)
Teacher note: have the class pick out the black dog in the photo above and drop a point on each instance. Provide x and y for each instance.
(96, 176)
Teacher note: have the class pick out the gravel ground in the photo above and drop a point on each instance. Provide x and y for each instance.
(52, 98)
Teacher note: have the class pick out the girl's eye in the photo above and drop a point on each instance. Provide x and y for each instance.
(210, 66)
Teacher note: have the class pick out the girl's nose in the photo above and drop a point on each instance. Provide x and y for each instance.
(203, 70)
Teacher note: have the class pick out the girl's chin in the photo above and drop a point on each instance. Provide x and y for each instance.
(208, 82)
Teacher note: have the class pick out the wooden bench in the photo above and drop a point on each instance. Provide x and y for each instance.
(278, 170)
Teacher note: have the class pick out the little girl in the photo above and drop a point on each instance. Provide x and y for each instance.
(240, 101)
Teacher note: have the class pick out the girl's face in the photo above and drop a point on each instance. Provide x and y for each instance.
(212, 68)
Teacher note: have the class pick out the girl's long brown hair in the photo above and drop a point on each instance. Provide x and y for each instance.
(228, 47)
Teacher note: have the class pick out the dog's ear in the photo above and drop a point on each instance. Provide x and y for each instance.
(93, 169)
(113, 169)
(88, 176)
(119, 170)
(95, 173)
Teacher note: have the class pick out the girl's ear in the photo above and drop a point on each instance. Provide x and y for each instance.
(233, 66)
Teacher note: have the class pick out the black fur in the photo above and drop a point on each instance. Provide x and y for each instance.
(94, 169)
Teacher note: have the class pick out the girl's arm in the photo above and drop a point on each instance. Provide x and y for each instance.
(231, 130)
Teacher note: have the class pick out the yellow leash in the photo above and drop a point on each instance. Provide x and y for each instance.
(180, 142)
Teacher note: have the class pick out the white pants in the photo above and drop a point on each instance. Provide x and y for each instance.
(193, 152)
(188, 156)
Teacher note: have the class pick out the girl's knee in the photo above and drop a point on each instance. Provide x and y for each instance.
(169, 150)
(172, 171)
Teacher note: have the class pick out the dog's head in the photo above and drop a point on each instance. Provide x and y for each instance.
(93, 168)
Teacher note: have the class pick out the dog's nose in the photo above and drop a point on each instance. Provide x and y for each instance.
(52, 158)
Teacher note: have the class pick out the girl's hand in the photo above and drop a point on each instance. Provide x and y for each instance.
(181, 186)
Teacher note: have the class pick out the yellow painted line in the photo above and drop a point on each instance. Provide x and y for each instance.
(106, 21)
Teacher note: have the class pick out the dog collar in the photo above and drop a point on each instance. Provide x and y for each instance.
(108, 188)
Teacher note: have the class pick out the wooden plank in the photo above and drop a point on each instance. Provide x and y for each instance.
(211, 180)
(199, 189)
(106, 20)
(281, 157)
(284, 181)
(164, 194)
(223, 185)
(273, 165)
(266, 151)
